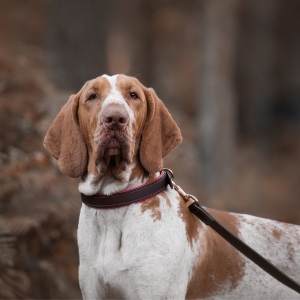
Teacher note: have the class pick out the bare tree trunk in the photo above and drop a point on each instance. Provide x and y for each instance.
(88, 38)
(216, 93)
(257, 73)
(127, 37)
(76, 40)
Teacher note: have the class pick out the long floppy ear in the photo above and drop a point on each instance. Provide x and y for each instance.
(64, 140)
(160, 134)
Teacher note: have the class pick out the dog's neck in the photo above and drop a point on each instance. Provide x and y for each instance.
(114, 181)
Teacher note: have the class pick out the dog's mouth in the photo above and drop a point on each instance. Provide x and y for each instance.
(113, 147)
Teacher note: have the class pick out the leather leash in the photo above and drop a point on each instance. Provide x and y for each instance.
(159, 184)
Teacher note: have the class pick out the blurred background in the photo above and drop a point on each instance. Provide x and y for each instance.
(227, 70)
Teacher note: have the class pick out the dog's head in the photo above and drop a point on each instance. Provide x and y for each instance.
(112, 121)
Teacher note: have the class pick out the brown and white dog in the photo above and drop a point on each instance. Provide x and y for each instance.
(114, 134)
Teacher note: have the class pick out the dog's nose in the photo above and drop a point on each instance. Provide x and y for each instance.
(115, 117)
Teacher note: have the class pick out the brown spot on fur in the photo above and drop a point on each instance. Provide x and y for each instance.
(277, 233)
(153, 205)
(192, 223)
(222, 267)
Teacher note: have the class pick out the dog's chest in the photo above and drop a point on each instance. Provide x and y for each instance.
(121, 249)
(101, 251)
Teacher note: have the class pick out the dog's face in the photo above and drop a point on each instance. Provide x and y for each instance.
(112, 112)
(114, 121)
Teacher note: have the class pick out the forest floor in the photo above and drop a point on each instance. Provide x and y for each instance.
(38, 205)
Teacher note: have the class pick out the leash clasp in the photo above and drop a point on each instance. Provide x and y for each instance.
(189, 199)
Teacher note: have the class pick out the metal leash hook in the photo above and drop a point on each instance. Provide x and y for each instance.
(189, 199)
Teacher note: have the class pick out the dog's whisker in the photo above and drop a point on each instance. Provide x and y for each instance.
(91, 141)
(137, 75)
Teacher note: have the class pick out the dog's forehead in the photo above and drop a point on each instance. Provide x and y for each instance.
(121, 82)
(112, 84)
(111, 79)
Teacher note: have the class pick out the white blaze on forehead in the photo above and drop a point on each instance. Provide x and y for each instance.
(115, 96)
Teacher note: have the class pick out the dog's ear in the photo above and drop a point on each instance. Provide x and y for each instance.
(64, 140)
(160, 134)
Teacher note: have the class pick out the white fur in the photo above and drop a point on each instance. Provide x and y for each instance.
(257, 284)
(125, 253)
(89, 186)
(258, 233)
(108, 185)
(115, 96)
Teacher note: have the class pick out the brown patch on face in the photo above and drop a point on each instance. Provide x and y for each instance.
(222, 266)
(277, 233)
(127, 85)
(153, 205)
(88, 113)
(157, 132)
(192, 223)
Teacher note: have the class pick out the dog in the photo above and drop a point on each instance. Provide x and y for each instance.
(113, 134)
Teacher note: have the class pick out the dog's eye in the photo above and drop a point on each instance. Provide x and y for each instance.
(133, 95)
(92, 97)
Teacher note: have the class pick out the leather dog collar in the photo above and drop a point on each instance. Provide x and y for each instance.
(130, 196)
